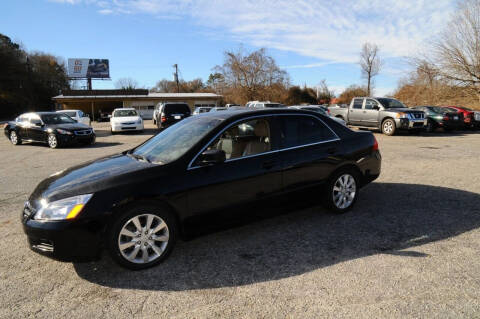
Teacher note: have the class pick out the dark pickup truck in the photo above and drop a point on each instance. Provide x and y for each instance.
(387, 114)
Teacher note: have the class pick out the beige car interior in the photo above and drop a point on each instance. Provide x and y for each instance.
(248, 138)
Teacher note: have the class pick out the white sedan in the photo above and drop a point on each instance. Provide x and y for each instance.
(126, 119)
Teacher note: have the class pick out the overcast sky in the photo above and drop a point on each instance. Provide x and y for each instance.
(312, 40)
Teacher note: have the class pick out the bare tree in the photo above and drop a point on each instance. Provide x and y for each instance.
(370, 63)
(456, 52)
(324, 94)
(250, 74)
(126, 84)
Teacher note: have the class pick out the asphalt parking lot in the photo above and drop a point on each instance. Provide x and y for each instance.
(410, 247)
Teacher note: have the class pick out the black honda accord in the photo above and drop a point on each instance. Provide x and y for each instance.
(137, 203)
(55, 129)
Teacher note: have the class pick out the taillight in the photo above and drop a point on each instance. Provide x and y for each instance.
(375, 144)
(445, 118)
(163, 118)
(328, 111)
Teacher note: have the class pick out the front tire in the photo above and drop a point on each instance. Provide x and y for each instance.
(52, 141)
(389, 127)
(342, 191)
(430, 127)
(14, 138)
(142, 236)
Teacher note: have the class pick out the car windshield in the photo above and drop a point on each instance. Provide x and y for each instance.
(122, 113)
(466, 108)
(57, 118)
(176, 140)
(451, 109)
(273, 105)
(391, 103)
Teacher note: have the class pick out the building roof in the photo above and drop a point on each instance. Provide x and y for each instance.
(142, 96)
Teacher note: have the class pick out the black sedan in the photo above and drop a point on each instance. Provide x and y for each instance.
(135, 204)
(55, 129)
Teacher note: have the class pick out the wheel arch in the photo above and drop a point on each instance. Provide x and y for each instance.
(157, 202)
(349, 166)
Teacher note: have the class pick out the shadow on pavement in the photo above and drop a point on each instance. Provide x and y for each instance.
(388, 218)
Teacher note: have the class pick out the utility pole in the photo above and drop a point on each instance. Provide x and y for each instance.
(176, 77)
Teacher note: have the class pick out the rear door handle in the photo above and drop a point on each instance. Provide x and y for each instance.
(269, 164)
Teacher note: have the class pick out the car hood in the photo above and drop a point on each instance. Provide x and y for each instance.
(69, 126)
(90, 177)
(125, 119)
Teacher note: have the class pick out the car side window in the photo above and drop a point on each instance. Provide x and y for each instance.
(357, 103)
(303, 130)
(247, 138)
(370, 104)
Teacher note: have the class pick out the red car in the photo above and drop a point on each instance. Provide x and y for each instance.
(471, 118)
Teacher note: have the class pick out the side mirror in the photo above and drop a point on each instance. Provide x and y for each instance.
(38, 123)
(376, 107)
(75, 120)
(211, 157)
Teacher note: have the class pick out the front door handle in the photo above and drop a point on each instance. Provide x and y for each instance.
(331, 150)
(268, 164)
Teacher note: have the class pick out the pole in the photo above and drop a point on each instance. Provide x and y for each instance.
(176, 77)
(89, 84)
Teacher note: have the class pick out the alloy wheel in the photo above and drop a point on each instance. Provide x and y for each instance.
(143, 238)
(344, 191)
(52, 141)
(13, 138)
(388, 127)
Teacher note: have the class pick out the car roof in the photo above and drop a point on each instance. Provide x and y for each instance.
(125, 108)
(239, 112)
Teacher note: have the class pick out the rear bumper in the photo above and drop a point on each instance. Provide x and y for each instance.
(370, 166)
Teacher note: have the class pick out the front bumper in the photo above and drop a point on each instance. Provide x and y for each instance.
(65, 139)
(64, 240)
(125, 127)
(410, 124)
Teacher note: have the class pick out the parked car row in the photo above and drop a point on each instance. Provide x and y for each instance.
(390, 115)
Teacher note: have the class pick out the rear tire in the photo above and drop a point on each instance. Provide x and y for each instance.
(142, 236)
(14, 138)
(341, 191)
(389, 127)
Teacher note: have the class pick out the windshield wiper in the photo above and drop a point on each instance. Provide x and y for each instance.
(139, 157)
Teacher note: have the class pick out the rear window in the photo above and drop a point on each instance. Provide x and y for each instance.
(71, 114)
(303, 130)
(176, 108)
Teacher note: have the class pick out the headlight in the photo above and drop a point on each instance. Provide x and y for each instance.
(67, 208)
(402, 115)
(59, 130)
(438, 117)
(139, 121)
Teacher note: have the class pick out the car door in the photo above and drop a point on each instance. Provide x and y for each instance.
(370, 113)
(251, 171)
(36, 131)
(355, 112)
(309, 151)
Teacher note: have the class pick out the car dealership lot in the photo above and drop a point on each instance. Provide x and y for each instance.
(410, 247)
